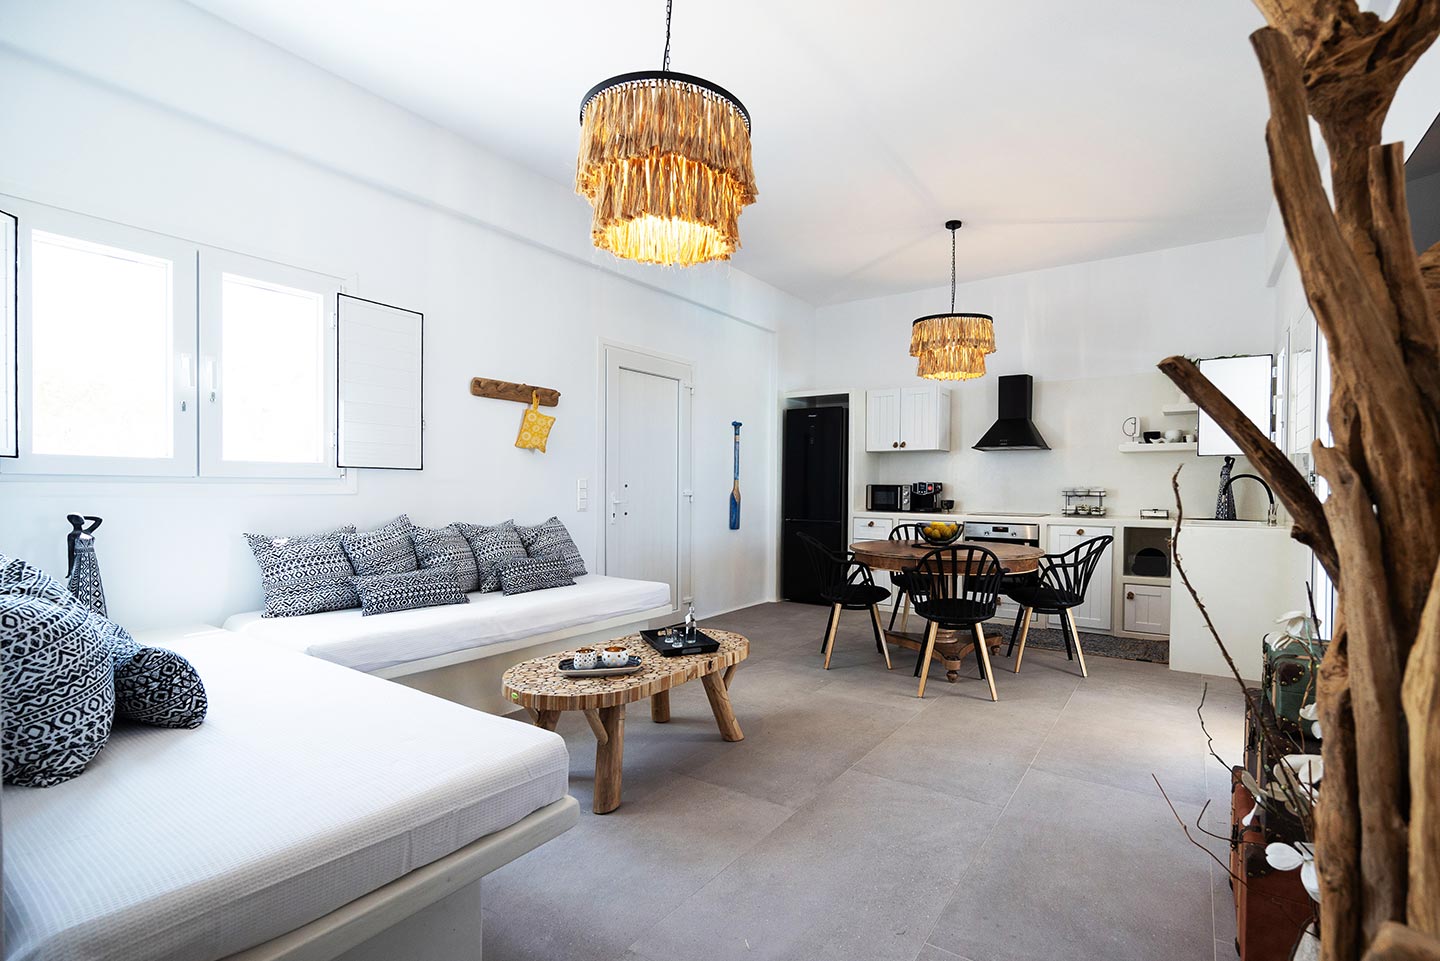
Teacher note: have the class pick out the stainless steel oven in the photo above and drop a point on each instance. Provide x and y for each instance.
(1003, 533)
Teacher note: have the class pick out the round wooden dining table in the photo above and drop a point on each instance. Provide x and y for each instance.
(899, 555)
(951, 647)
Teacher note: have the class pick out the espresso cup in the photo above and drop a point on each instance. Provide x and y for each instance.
(615, 657)
(584, 659)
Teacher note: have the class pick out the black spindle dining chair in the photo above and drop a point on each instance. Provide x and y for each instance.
(847, 585)
(900, 579)
(956, 588)
(1058, 588)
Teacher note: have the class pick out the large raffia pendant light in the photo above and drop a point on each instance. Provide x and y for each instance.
(665, 162)
(952, 346)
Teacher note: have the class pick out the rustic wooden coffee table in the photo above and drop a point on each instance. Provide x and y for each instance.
(538, 686)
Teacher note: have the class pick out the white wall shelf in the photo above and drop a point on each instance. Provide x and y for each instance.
(1133, 448)
(1179, 410)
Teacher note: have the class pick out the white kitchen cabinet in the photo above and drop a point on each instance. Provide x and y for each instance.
(1094, 614)
(1147, 608)
(871, 528)
(909, 418)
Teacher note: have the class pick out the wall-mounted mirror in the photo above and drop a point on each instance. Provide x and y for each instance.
(1246, 381)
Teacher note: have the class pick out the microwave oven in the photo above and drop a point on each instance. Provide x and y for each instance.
(887, 497)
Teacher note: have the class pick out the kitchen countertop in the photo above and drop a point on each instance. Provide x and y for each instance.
(1000, 517)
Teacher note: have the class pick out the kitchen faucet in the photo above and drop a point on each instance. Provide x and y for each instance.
(1270, 517)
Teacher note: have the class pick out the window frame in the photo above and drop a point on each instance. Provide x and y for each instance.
(183, 334)
(214, 263)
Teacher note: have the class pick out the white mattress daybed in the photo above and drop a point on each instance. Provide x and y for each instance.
(459, 651)
(315, 808)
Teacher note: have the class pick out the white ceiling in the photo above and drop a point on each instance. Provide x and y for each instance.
(1060, 131)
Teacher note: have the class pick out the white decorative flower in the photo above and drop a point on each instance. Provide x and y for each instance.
(1311, 712)
(1288, 857)
(1295, 622)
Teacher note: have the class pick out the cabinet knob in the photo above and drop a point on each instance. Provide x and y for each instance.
(1081, 532)
(1129, 595)
(872, 523)
(902, 443)
(894, 443)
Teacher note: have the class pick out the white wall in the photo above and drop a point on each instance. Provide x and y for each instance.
(157, 115)
(1091, 335)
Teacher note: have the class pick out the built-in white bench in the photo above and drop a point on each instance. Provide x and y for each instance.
(317, 814)
(460, 651)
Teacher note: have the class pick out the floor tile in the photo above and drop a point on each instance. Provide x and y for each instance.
(859, 873)
(1129, 739)
(796, 749)
(1082, 870)
(591, 891)
(931, 953)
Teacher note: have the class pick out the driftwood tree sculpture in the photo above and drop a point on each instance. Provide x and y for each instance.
(1378, 533)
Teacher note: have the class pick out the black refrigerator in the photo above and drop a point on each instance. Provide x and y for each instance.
(813, 486)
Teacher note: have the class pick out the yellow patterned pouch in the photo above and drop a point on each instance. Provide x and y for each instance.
(534, 426)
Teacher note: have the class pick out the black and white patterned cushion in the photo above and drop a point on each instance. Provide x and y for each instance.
(493, 547)
(306, 574)
(431, 587)
(446, 545)
(159, 687)
(384, 551)
(59, 689)
(551, 539)
(534, 574)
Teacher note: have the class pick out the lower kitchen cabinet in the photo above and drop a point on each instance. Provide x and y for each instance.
(1094, 614)
(1147, 608)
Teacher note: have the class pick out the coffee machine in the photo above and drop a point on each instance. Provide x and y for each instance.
(925, 497)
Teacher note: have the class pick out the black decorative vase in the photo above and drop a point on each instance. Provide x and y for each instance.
(1225, 500)
(84, 566)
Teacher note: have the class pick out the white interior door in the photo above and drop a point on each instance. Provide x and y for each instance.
(647, 470)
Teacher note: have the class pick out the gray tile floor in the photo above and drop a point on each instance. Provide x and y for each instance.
(855, 821)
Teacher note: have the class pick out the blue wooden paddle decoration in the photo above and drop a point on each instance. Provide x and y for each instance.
(735, 491)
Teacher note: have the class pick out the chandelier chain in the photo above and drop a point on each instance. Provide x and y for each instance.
(952, 270)
(669, 7)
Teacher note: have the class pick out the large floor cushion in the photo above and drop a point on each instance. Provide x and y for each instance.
(307, 786)
(375, 643)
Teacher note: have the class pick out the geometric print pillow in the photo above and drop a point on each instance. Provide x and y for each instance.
(159, 687)
(59, 690)
(447, 545)
(406, 591)
(534, 574)
(384, 551)
(551, 539)
(305, 574)
(493, 547)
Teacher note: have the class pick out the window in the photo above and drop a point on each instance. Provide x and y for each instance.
(268, 378)
(146, 355)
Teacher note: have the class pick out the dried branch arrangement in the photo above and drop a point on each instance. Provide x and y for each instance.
(1378, 534)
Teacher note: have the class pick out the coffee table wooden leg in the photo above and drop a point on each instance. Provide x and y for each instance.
(660, 707)
(547, 719)
(720, 705)
(609, 755)
(597, 727)
(729, 673)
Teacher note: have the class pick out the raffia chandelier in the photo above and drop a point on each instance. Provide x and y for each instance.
(665, 162)
(952, 346)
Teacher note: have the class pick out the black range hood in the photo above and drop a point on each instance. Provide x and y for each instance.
(1014, 430)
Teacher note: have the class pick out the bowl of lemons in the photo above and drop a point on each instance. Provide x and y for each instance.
(939, 533)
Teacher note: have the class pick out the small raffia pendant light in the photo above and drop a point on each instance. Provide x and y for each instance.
(952, 346)
(665, 162)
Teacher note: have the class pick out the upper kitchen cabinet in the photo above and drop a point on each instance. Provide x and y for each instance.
(907, 418)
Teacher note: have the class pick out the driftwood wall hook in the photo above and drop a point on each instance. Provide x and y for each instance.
(506, 390)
